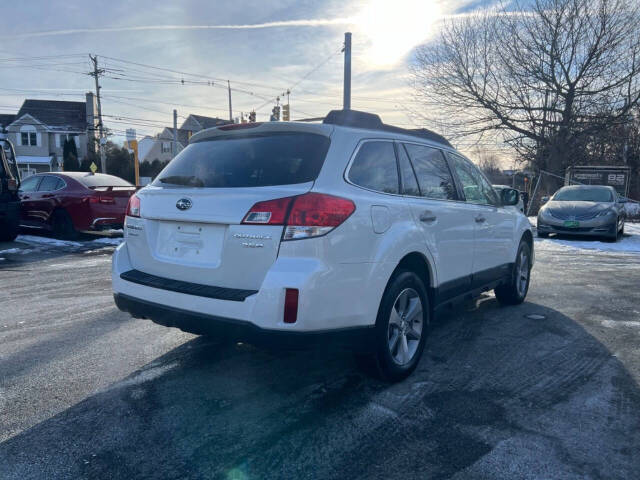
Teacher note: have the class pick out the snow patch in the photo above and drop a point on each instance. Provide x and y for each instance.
(629, 243)
(108, 241)
(10, 250)
(36, 240)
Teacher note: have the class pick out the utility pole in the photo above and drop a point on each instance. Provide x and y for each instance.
(175, 133)
(96, 74)
(346, 103)
(230, 110)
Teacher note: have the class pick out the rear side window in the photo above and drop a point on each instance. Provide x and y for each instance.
(50, 183)
(375, 167)
(29, 184)
(433, 174)
(248, 161)
(407, 175)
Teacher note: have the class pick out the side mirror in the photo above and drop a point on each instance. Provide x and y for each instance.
(545, 199)
(622, 200)
(509, 196)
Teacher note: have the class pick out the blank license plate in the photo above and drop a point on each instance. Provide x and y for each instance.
(571, 224)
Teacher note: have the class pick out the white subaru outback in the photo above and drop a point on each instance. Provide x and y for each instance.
(294, 231)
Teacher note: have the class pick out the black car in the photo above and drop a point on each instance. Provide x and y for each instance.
(9, 201)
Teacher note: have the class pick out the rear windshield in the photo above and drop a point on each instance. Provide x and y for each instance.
(248, 161)
(583, 195)
(99, 180)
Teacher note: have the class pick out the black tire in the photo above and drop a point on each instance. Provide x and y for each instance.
(402, 284)
(542, 234)
(614, 238)
(62, 226)
(514, 292)
(9, 230)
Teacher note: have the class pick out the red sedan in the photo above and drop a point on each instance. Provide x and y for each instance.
(68, 202)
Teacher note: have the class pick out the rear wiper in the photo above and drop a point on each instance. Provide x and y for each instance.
(183, 180)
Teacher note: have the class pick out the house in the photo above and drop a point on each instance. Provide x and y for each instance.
(195, 123)
(40, 128)
(159, 147)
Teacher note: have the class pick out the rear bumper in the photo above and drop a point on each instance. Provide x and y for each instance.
(238, 330)
(330, 298)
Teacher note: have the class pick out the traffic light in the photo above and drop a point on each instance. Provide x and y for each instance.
(275, 114)
(252, 117)
(285, 113)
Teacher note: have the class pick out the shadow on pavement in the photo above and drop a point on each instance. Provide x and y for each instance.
(497, 395)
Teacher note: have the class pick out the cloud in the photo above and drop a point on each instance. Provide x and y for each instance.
(141, 28)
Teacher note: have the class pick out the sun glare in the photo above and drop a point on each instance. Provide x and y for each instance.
(395, 27)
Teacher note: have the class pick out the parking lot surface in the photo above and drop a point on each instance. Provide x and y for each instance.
(547, 389)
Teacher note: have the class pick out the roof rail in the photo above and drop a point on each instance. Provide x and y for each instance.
(371, 121)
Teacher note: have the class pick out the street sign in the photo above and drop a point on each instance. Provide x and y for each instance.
(93, 167)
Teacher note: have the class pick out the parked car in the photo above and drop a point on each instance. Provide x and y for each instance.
(291, 231)
(66, 203)
(587, 210)
(519, 206)
(9, 201)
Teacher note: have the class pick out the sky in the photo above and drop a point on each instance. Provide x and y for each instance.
(263, 47)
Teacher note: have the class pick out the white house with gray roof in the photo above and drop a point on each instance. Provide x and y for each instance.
(40, 128)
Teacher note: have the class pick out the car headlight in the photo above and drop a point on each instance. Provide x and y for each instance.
(604, 213)
(544, 213)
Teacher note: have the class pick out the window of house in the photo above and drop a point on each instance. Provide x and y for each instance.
(28, 136)
(166, 147)
(375, 167)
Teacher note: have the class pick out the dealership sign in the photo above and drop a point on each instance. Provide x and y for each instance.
(617, 177)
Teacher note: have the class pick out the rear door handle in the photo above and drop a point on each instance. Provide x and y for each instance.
(427, 217)
(480, 219)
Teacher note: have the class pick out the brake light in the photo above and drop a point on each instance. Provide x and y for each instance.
(102, 199)
(133, 208)
(304, 216)
(291, 305)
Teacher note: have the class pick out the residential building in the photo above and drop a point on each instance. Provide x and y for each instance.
(159, 147)
(41, 127)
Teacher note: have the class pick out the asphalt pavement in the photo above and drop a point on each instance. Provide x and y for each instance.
(547, 389)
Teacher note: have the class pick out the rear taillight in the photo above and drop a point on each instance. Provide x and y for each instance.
(304, 216)
(102, 199)
(133, 208)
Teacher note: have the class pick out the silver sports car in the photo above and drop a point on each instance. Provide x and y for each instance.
(592, 210)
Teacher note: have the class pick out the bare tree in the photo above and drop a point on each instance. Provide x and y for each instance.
(543, 77)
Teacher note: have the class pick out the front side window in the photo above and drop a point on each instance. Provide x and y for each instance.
(433, 174)
(248, 161)
(476, 188)
(375, 167)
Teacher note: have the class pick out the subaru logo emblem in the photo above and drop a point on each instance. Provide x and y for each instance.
(183, 204)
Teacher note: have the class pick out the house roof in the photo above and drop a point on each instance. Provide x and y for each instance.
(183, 135)
(56, 113)
(209, 122)
(6, 118)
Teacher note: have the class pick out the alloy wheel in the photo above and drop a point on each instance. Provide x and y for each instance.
(405, 326)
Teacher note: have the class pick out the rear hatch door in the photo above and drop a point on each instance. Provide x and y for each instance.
(191, 216)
